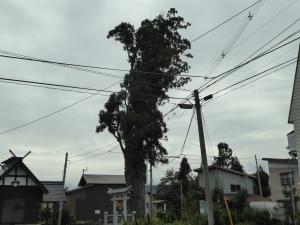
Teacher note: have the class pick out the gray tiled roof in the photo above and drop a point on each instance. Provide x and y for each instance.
(56, 190)
(87, 179)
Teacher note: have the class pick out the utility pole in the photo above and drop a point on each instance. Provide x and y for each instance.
(258, 178)
(65, 169)
(208, 195)
(63, 182)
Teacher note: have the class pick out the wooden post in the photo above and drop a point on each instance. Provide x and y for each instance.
(125, 207)
(115, 212)
(63, 181)
(228, 211)
(105, 218)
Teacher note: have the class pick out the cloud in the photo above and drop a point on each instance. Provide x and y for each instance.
(252, 120)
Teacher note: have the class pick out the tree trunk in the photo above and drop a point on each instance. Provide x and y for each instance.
(135, 174)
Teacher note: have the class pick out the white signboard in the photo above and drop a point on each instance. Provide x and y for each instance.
(97, 211)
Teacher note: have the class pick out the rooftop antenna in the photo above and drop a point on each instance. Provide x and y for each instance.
(250, 16)
(11, 152)
(85, 170)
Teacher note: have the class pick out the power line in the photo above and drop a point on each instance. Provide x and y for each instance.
(246, 84)
(29, 58)
(230, 44)
(265, 24)
(78, 66)
(92, 151)
(93, 156)
(229, 72)
(267, 70)
(245, 62)
(51, 88)
(18, 81)
(55, 112)
(56, 85)
(234, 69)
(232, 17)
(187, 133)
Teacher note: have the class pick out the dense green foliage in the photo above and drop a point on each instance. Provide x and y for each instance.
(293, 154)
(183, 174)
(264, 180)
(236, 165)
(224, 156)
(226, 160)
(155, 53)
(169, 190)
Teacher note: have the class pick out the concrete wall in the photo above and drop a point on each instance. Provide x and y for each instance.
(275, 169)
(224, 180)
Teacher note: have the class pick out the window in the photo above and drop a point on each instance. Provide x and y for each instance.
(285, 178)
(235, 188)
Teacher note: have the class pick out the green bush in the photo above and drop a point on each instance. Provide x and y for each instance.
(251, 216)
(196, 219)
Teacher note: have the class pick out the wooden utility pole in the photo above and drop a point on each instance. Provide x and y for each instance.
(63, 181)
(208, 195)
(258, 178)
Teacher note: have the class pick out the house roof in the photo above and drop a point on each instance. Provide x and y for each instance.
(119, 190)
(87, 179)
(213, 167)
(285, 161)
(293, 131)
(9, 165)
(56, 190)
(296, 81)
(79, 189)
(250, 198)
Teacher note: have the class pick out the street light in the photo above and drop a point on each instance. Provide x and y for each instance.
(210, 213)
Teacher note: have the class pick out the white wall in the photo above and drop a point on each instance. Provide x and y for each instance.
(224, 180)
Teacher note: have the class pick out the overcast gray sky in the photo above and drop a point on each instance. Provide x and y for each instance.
(252, 120)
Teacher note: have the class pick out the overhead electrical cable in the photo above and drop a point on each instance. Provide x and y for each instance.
(252, 81)
(243, 63)
(13, 55)
(227, 73)
(240, 66)
(96, 155)
(53, 113)
(17, 81)
(233, 40)
(92, 151)
(187, 133)
(98, 67)
(51, 88)
(227, 20)
(265, 24)
(293, 60)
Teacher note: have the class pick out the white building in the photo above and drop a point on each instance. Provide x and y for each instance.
(229, 181)
(294, 114)
(283, 174)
